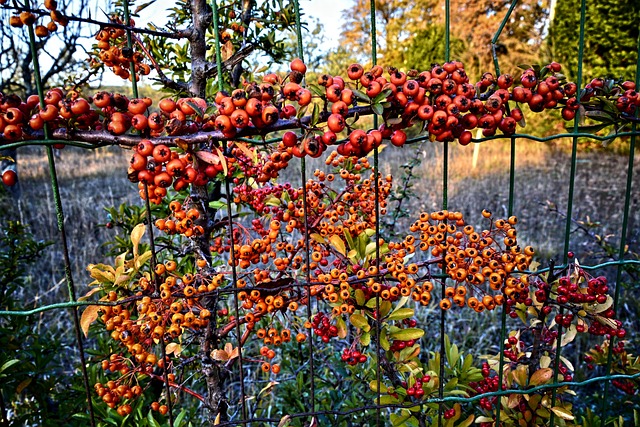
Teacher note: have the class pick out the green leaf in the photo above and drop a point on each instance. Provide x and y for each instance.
(386, 400)
(360, 95)
(9, 364)
(384, 341)
(401, 313)
(359, 293)
(408, 334)
(152, 421)
(373, 385)
(315, 115)
(338, 244)
(377, 109)
(365, 339)
(360, 322)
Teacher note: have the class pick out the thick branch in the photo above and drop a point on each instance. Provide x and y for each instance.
(202, 16)
(103, 138)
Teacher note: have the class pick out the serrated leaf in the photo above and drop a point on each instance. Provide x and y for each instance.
(562, 413)
(89, 315)
(408, 334)
(401, 313)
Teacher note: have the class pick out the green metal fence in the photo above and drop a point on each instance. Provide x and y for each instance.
(440, 399)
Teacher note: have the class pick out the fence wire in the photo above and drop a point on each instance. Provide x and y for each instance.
(441, 400)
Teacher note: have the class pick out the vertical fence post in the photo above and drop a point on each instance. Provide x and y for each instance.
(376, 188)
(512, 172)
(60, 223)
(623, 242)
(445, 203)
(567, 233)
(307, 252)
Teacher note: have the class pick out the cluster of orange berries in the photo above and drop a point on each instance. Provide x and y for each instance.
(181, 221)
(28, 18)
(472, 259)
(112, 392)
(138, 325)
(119, 59)
(158, 168)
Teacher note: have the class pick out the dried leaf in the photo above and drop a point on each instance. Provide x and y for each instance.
(223, 161)
(208, 157)
(89, 315)
(541, 376)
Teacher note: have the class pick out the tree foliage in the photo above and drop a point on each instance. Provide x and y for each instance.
(611, 37)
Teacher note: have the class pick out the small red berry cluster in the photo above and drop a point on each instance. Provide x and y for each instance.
(323, 328)
(487, 385)
(416, 389)
(353, 357)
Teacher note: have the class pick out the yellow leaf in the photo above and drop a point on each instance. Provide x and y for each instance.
(88, 294)
(173, 348)
(136, 235)
(89, 315)
(318, 238)
(252, 154)
(562, 413)
(338, 244)
(217, 420)
(223, 161)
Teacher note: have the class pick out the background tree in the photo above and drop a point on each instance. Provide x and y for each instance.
(412, 33)
(610, 43)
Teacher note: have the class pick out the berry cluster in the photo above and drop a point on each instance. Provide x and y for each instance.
(119, 59)
(181, 221)
(486, 385)
(158, 168)
(353, 357)
(323, 328)
(416, 390)
(28, 18)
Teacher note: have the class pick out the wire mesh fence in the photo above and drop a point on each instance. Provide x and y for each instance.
(241, 409)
